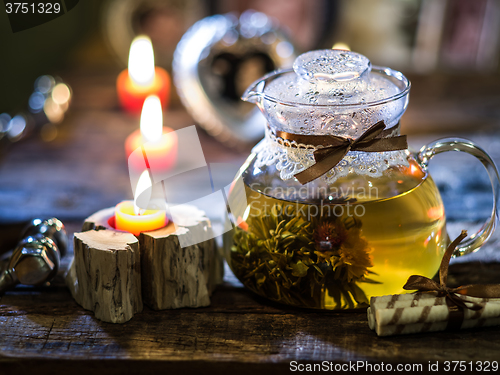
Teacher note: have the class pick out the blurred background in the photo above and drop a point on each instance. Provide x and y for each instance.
(418, 37)
(449, 49)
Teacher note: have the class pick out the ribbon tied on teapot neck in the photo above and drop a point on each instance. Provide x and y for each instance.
(454, 296)
(334, 148)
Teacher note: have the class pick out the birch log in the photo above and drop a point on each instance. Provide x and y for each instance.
(104, 275)
(174, 276)
(99, 220)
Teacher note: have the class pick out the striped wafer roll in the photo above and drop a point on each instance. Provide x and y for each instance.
(418, 299)
(398, 301)
(422, 312)
(426, 311)
(403, 300)
(432, 327)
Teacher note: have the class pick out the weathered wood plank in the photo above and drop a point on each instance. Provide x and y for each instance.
(154, 367)
(232, 336)
(238, 327)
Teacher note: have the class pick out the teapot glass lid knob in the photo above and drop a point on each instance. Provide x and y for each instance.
(331, 65)
(329, 78)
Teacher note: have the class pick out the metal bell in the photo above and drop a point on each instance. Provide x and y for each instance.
(36, 258)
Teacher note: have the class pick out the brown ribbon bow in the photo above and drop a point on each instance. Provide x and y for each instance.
(453, 295)
(335, 148)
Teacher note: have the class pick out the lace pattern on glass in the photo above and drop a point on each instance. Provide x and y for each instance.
(291, 158)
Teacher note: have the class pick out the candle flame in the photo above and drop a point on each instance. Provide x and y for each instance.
(144, 183)
(152, 119)
(341, 46)
(141, 61)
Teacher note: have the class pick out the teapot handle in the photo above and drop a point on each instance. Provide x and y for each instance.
(464, 145)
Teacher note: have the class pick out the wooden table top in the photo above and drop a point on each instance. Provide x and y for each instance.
(44, 331)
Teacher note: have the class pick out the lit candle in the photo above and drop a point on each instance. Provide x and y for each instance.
(160, 143)
(142, 78)
(130, 218)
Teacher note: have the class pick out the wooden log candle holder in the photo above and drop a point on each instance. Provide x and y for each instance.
(113, 272)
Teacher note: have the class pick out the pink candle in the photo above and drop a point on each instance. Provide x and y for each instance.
(160, 142)
(142, 78)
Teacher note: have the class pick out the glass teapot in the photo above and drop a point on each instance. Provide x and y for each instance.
(332, 208)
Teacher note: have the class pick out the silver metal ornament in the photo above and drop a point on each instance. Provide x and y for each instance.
(36, 259)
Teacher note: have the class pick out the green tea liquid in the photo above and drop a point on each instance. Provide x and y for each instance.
(405, 234)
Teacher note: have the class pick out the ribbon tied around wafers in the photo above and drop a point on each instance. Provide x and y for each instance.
(453, 296)
(333, 148)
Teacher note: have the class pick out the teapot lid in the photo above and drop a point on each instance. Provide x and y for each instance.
(331, 77)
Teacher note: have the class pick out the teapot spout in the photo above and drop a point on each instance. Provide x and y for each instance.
(254, 93)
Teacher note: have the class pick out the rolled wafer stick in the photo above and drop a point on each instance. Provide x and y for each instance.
(431, 314)
(433, 309)
(403, 300)
(397, 301)
(432, 327)
(436, 307)
(394, 309)
(430, 318)
(418, 300)
(371, 318)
